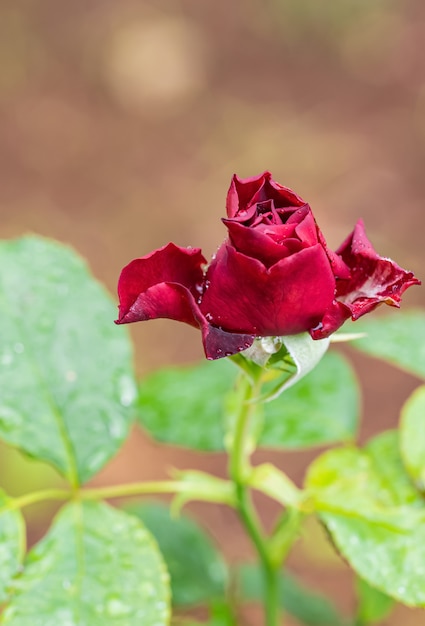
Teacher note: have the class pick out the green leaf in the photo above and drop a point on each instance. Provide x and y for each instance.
(12, 544)
(321, 408)
(307, 606)
(412, 436)
(97, 566)
(65, 368)
(397, 338)
(186, 406)
(373, 605)
(375, 515)
(197, 570)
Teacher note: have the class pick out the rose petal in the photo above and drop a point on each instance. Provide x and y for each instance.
(219, 343)
(290, 297)
(373, 280)
(246, 192)
(170, 264)
(260, 243)
(164, 285)
(241, 192)
(333, 319)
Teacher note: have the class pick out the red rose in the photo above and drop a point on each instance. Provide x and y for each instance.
(273, 276)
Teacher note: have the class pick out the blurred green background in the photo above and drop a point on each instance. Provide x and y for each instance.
(121, 124)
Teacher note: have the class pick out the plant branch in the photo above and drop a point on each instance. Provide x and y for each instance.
(36, 496)
(239, 470)
(134, 489)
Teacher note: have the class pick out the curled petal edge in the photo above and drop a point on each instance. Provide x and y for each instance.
(175, 301)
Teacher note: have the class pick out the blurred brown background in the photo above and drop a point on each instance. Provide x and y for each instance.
(121, 124)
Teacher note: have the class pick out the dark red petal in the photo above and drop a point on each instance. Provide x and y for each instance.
(241, 192)
(219, 343)
(282, 196)
(170, 264)
(339, 268)
(291, 297)
(258, 242)
(165, 284)
(169, 300)
(373, 280)
(164, 300)
(306, 228)
(332, 320)
(244, 193)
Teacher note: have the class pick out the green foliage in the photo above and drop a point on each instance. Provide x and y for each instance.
(320, 409)
(197, 570)
(397, 339)
(374, 514)
(97, 566)
(185, 406)
(373, 605)
(308, 607)
(412, 436)
(12, 544)
(65, 370)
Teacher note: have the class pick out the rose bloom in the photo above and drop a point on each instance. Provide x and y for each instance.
(273, 276)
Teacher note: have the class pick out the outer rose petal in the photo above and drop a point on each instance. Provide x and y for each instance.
(374, 280)
(170, 264)
(162, 285)
(291, 297)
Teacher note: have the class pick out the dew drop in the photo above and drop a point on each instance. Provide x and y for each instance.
(9, 419)
(71, 376)
(115, 607)
(127, 390)
(6, 359)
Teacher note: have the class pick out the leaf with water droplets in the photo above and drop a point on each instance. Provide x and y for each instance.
(97, 566)
(397, 339)
(187, 406)
(65, 369)
(374, 514)
(197, 570)
(412, 436)
(321, 408)
(12, 544)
